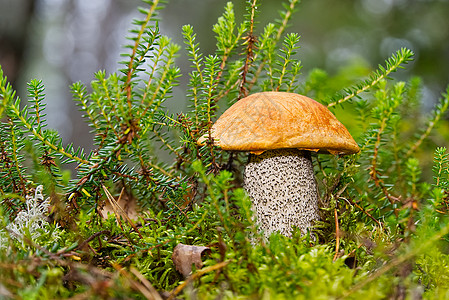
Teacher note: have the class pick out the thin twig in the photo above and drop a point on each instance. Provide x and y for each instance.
(365, 212)
(197, 274)
(337, 235)
(374, 172)
(131, 70)
(93, 236)
(116, 207)
(279, 33)
(250, 40)
(148, 293)
(146, 283)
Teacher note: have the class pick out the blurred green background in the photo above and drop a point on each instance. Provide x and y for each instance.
(63, 41)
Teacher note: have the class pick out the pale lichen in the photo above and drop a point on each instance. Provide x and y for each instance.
(30, 222)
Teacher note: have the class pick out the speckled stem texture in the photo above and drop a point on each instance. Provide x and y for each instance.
(283, 189)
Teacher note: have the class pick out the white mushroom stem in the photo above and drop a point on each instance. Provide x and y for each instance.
(283, 189)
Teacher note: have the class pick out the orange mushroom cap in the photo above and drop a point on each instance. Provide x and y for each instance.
(278, 120)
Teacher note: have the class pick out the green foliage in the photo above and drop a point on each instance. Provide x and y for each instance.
(383, 228)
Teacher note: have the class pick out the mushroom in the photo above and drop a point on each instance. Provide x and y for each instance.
(280, 130)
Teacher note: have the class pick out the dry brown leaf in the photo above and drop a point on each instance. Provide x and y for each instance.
(185, 255)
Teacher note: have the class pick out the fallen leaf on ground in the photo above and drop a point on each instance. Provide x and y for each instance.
(185, 255)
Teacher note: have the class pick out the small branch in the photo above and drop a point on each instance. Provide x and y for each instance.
(131, 70)
(279, 33)
(250, 40)
(93, 236)
(337, 235)
(15, 160)
(374, 173)
(120, 210)
(365, 212)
